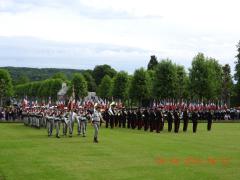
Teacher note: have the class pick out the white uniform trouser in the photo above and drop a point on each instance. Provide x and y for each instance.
(71, 125)
(96, 126)
(79, 126)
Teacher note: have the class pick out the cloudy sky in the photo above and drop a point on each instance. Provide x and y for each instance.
(123, 33)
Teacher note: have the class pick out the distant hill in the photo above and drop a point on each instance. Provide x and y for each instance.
(37, 74)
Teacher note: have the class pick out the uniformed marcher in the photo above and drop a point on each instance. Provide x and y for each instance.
(209, 120)
(57, 122)
(146, 119)
(72, 117)
(83, 119)
(194, 120)
(96, 119)
(112, 114)
(170, 120)
(176, 121)
(185, 120)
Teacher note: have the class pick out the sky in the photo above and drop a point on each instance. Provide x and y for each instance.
(81, 34)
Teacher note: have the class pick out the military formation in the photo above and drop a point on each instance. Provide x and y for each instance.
(155, 119)
(64, 118)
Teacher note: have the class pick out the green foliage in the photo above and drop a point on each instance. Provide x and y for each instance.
(227, 84)
(23, 79)
(6, 87)
(152, 63)
(102, 70)
(92, 87)
(140, 86)
(37, 74)
(237, 67)
(39, 89)
(60, 75)
(120, 86)
(80, 86)
(205, 78)
(182, 83)
(105, 88)
(165, 80)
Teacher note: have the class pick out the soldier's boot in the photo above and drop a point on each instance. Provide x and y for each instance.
(95, 140)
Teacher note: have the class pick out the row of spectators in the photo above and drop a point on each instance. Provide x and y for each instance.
(10, 113)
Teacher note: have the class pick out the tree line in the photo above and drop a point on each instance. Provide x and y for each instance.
(206, 80)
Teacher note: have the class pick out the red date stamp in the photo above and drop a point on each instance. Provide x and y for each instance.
(193, 161)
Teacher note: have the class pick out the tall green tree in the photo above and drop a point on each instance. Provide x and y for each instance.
(152, 63)
(105, 88)
(227, 84)
(215, 78)
(237, 63)
(60, 75)
(23, 79)
(182, 82)
(198, 76)
(120, 86)
(79, 85)
(92, 86)
(100, 71)
(6, 87)
(165, 80)
(140, 86)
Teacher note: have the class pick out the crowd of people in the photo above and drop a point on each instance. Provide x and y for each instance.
(12, 113)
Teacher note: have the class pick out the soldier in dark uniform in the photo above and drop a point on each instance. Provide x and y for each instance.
(152, 119)
(146, 119)
(133, 119)
(176, 121)
(106, 117)
(124, 118)
(158, 120)
(170, 120)
(209, 120)
(139, 119)
(185, 120)
(194, 121)
(119, 118)
(129, 119)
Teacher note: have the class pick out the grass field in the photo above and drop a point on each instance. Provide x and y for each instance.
(27, 153)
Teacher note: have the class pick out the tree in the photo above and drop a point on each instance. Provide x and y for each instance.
(79, 85)
(237, 67)
(6, 87)
(60, 75)
(105, 88)
(120, 85)
(182, 82)
(205, 78)
(165, 80)
(92, 87)
(140, 86)
(214, 78)
(152, 63)
(100, 71)
(23, 79)
(227, 84)
(198, 76)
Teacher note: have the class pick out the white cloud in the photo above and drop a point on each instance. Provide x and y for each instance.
(174, 29)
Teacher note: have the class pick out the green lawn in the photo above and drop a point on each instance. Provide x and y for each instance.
(27, 153)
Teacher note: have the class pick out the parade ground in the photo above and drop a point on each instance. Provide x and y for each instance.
(28, 153)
